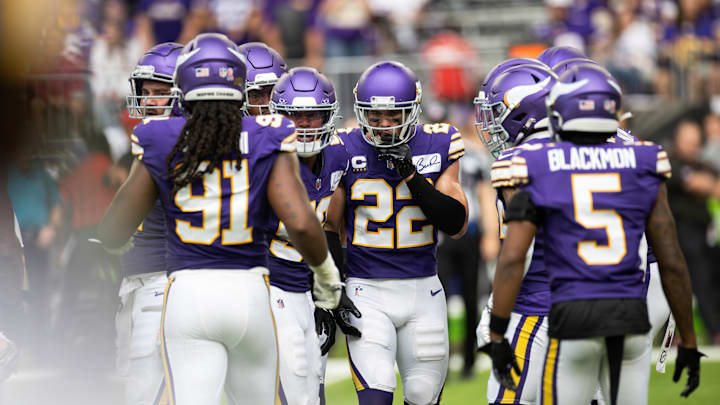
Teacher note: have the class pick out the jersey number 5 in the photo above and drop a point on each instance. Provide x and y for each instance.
(210, 204)
(382, 211)
(583, 187)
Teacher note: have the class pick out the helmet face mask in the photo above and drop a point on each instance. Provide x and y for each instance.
(512, 106)
(307, 98)
(151, 83)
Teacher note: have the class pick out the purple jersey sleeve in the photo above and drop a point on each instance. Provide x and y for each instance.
(288, 270)
(220, 220)
(596, 200)
(388, 235)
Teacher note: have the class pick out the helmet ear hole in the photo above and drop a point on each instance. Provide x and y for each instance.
(519, 117)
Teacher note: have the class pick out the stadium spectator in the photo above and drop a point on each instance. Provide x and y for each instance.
(691, 184)
(242, 22)
(38, 209)
(347, 27)
(633, 52)
(112, 58)
(396, 20)
(169, 21)
(300, 33)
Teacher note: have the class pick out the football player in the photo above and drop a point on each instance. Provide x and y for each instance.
(400, 189)
(593, 199)
(217, 175)
(264, 68)
(510, 111)
(556, 54)
(307, 98)
(144, 277)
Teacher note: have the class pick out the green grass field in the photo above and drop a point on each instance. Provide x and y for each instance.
(459, 392)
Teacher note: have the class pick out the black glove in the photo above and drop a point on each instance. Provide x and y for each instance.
(503, 362)
(325, 323)
(342, 315)
(400, 157)
(485, 349)
(689, 358)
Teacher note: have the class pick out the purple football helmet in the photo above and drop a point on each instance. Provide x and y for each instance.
(563, 66)
(386, 87)
(158, 64)
(586, 98)
(513, 107)
(498, 69)
(210, 67)
(303, 91)
(556, 54)
(264, 68)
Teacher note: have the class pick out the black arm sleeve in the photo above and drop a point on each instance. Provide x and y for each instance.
(335, 248)
(521, 208)
(443, 211)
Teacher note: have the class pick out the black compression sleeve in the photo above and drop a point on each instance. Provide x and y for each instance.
(443, 211)
(335, 248)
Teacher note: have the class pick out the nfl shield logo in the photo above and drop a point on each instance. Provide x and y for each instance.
(280, 303)
(358, 290)
(318, 183)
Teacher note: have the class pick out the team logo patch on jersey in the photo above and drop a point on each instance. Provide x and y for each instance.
(427, 163)
(358, 290)
(359, 162)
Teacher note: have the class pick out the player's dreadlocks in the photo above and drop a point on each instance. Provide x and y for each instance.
(211, 132)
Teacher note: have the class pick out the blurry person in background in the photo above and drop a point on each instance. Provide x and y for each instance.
(90, 280)
(169, 21)
(396, 21)
(300, 31)
(242, 22)
(634, 50)
(37, 204)
(691, 184)
(347, 25)
(112, 58)
(711, 150)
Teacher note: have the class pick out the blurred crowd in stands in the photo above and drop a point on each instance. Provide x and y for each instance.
(62, 181)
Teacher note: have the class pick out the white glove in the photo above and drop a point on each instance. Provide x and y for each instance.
(327, 285)
(116, 251)
(483, 329)
(8, 357)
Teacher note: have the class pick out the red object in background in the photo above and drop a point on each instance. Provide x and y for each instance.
(448, 55)
(85, 189)
(526, 50)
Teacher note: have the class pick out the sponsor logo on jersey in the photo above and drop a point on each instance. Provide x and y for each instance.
(427, 163)
(434, 293)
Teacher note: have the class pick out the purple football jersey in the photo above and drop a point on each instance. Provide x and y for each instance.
(596, 200)
(388, 235)
(150, 244)
(220, 221)
(288, 270)
(534, 295)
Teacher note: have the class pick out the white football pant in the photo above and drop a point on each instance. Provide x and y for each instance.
(298, 347)
(403, 320)
(573, 369)
(528, 336)
(218, 334)
(137, 325)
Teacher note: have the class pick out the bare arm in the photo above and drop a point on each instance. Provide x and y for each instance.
(135, 198)
(490, 243)
(449, 185)
(145, 31)
(289, 200)
(673, 268)
(510, 268)
(336, 210)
